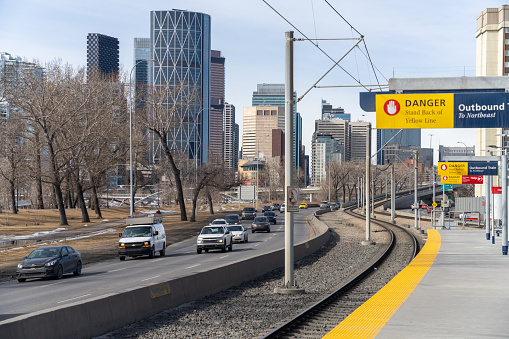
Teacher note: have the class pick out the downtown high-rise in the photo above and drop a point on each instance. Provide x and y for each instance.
(180, 48)
(102, 54)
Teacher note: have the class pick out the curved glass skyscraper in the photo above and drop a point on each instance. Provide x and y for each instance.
(180, 46)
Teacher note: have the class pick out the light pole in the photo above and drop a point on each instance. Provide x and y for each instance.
(466, 148)
(131, 195)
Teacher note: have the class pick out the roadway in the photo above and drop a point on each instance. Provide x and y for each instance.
(114, 276)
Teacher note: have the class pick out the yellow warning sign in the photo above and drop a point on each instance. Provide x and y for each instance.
(451, 179)
(432, 110)
(453, 168)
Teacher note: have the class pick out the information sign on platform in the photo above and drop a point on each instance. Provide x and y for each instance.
(496, 190)
(292, 204)
(472, 179)
(453, 168)
(448, 187)
(442, 110)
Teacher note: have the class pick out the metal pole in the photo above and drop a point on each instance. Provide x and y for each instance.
(393, 194)
(329, 180)
(367, 188)
(433, 209)
(372, 198)
(131, 194)
(487, 217)
(504, 203)
(416, 205)
(289, 279)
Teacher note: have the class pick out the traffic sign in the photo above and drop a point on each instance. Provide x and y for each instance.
(448, 187)
(293, 199)
(453, 168)
(434, 204)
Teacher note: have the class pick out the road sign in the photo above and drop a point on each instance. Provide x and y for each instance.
(434, 204)
(472, 179)
(292, 204)
(448, 187)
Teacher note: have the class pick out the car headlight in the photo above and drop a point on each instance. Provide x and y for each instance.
(20, 265)
(51, 263)
(200, 240)
(146, 244)
(220, 240)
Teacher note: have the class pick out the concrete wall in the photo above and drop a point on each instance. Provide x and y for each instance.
(100, 315)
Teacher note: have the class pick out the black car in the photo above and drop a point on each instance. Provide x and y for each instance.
(260, 224)
(266, 208)
(248, 213)
(232, 219)
(50, 261)
(271, 217)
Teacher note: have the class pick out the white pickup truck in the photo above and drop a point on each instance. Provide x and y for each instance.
(214, 237)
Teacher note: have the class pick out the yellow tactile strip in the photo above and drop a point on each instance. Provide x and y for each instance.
(371, 317)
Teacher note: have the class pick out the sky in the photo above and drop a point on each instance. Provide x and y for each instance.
(404, 39)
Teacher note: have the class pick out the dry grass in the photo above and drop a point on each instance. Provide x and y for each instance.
(93, 249)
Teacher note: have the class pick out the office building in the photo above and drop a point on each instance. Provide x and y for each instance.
(324, 149)
(274, 95)
(492, 59)
(258, 123)
(358, 133)
(102, 54)
(337, 129)
(231, 139)
(404, 137)
(217, 84)
(329, 113)
(180, 46)
(456, 151)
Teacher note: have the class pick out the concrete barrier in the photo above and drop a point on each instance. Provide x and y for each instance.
(99, 315)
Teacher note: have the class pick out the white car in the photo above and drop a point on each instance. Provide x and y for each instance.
(282, 208)
(239, 233)
(214, 237)
(221, 222)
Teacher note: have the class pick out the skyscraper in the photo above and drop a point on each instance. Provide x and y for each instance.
(217, 104)
(329, 113)
(231, 138)
(258, 123)
(102, 54)
(407, 137)
(180, 46)
(274, 95)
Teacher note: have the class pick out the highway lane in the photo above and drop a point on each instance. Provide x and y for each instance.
(114, 276)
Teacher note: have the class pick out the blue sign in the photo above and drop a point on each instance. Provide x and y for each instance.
(481, 110)
(483, 168)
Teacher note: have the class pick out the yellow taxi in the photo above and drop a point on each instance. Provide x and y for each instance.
(303, 205)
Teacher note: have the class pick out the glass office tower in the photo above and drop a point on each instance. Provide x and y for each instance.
(180, 46)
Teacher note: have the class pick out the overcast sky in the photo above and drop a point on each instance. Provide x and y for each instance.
(404, 39)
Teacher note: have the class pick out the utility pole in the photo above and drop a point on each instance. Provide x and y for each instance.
(416, 203)
(393, 194)
(504, 202)
(289, 286)
(367, 188)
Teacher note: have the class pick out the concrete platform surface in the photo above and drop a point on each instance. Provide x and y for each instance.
(465, 293)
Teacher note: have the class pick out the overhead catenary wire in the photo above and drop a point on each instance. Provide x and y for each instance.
(315, 44)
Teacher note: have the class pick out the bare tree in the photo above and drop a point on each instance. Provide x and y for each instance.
(168, 110)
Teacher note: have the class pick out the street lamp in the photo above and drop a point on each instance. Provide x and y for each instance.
(466, 148)
(131, 195)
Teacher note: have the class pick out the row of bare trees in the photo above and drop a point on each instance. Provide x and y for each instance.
(66, 135)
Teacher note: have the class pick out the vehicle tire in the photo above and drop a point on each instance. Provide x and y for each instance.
(268, 230)
(77, 271)
(252, 231)
(224, 248)
(163, 251)
(198, 250)
(21, 280)
(60, 272)
(206, 250)
(246, 239)
(152, 253)
(122, 258)
(231, 246)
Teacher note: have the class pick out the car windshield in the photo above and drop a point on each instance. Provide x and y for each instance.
(218, 222)
(249, 209)
(260, 219)
(232, 218)
(235, 228)
(132, 232)
(269, 214)
(212, 230)
(45, 253)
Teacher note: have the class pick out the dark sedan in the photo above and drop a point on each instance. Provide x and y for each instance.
(271, 217)
(232, 219)
(260, 224)
(50, 261)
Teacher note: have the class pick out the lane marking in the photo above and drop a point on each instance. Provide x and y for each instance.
(118, 269)
(155, 260)
(224, 256)
(81, 296)
(157, 276)
(55, 283)
(192, 266)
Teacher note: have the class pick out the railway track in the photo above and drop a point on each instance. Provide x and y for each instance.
(324, 315)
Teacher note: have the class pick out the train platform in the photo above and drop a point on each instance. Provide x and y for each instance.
(456, 287)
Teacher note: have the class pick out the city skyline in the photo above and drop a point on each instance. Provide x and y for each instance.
(401, 39)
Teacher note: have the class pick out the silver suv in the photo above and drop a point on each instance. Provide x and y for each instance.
(214, 237)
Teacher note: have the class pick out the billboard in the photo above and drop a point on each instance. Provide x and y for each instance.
(442, 110)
